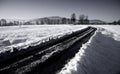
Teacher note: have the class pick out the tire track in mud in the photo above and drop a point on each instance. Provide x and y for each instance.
(47, 58)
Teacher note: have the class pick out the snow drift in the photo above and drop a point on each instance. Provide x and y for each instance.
(101, 55)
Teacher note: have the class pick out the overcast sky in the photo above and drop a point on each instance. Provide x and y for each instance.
(107, 10)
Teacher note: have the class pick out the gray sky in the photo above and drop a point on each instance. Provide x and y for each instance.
(107, 10)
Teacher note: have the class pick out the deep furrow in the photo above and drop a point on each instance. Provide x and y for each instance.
(38, 59)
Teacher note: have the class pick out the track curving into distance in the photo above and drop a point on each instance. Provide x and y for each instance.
(46, 58)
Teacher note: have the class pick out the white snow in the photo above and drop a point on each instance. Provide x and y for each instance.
(112, 31)
(18, 36)
(101, 55)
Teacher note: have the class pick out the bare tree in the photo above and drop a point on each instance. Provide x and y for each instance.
(86, 20)
(119, 22)
(3, 22)
(81, 19)
(64, 20)
(73, 18)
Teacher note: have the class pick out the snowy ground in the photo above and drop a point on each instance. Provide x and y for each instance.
(16, 36)
(101, 55)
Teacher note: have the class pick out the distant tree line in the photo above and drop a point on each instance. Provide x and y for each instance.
(61, 20)
(83, 19)
(115, 22)
(3, 22)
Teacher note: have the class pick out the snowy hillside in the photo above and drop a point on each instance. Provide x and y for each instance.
(101, 55)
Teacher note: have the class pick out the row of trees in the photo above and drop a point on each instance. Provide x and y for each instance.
(116, 22)
(55, 20)
(82, 19)
(60, 20)
(3, 22)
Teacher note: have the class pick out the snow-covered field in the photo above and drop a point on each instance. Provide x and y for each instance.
(100, 55)
(16, 36)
